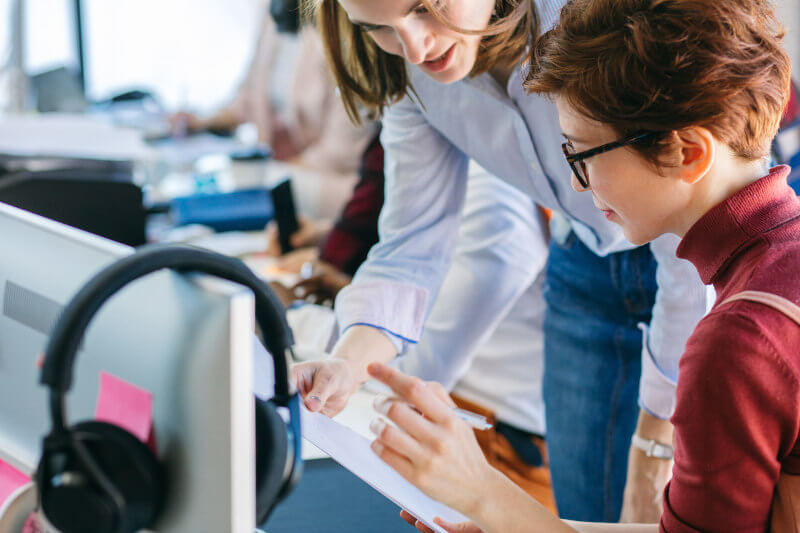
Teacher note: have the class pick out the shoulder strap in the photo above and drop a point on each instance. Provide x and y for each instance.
(785, 513)
(778, 303)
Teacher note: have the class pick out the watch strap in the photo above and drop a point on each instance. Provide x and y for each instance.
(653, 448)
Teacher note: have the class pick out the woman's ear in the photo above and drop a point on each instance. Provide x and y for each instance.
(697, 150)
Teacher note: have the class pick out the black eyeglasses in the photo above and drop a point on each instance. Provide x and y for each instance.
(575, 159)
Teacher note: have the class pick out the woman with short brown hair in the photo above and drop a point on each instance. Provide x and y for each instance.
(668, 108)
(446, 77)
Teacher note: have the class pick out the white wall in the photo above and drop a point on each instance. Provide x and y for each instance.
(193, 52)
(789, 12)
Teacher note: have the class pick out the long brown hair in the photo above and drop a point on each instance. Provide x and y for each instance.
(370, 79)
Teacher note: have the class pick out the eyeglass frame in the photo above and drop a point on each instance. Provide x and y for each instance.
(575, 159)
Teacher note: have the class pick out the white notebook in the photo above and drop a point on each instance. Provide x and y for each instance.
(352, 451)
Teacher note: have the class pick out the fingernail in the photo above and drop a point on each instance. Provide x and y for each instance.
(376, 446)
(374, 369)
(381, 403)
(377, 426)
(313, 403)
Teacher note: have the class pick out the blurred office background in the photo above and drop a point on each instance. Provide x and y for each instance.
(190, 53)
(789, 11)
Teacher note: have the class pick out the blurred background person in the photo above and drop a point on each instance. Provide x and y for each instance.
(290, 96)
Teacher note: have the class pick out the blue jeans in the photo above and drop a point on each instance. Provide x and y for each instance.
(591, 378)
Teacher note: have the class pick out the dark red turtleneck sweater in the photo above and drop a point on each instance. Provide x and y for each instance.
(737, 417)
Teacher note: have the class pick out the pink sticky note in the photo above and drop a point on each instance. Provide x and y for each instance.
(125, 405)
(10, 480)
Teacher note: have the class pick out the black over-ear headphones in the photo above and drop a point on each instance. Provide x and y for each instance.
(96, 476)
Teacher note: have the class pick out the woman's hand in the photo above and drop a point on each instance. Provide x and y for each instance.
(463, 527)
(324, 284)
(430, 447)
(325, 386)
(321, 288)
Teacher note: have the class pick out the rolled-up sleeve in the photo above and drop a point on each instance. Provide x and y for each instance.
(681, 301)
(424, 193)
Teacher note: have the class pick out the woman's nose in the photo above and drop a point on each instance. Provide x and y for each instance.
(416, 42)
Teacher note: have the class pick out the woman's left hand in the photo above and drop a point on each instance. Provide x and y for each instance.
(430, 447)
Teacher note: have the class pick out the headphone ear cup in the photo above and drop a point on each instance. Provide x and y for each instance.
(271, 458)
(130, 465)
(64, 488)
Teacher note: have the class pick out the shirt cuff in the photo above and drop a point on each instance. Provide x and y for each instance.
(396, 308)
(656, 388)
(398, 342)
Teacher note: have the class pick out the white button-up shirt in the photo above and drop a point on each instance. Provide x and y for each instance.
(516, 137)
(483, 339)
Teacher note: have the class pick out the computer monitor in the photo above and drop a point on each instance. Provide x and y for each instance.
(185, 338)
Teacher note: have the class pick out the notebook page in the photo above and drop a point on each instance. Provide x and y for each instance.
(353, 452)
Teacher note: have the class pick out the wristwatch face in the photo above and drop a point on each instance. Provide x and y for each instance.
(660, 451)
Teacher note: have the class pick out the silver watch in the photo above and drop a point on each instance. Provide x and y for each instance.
(653, 448)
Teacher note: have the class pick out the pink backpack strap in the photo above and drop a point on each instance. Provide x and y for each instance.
(778, 303)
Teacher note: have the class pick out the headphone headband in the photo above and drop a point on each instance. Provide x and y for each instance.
(66, 337)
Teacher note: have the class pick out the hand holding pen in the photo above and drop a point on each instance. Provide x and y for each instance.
(436, 452)
(474, 420)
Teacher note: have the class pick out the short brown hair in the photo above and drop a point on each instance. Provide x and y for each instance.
(370, 79)
(664, 65)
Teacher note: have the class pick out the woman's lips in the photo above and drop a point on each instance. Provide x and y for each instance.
(442, 62)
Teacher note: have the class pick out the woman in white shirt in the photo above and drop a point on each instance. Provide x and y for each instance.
(448, 93)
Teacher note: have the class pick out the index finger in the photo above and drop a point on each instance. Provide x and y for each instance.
(412, 390)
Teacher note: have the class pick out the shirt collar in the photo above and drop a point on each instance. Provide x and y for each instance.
(716, 238)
